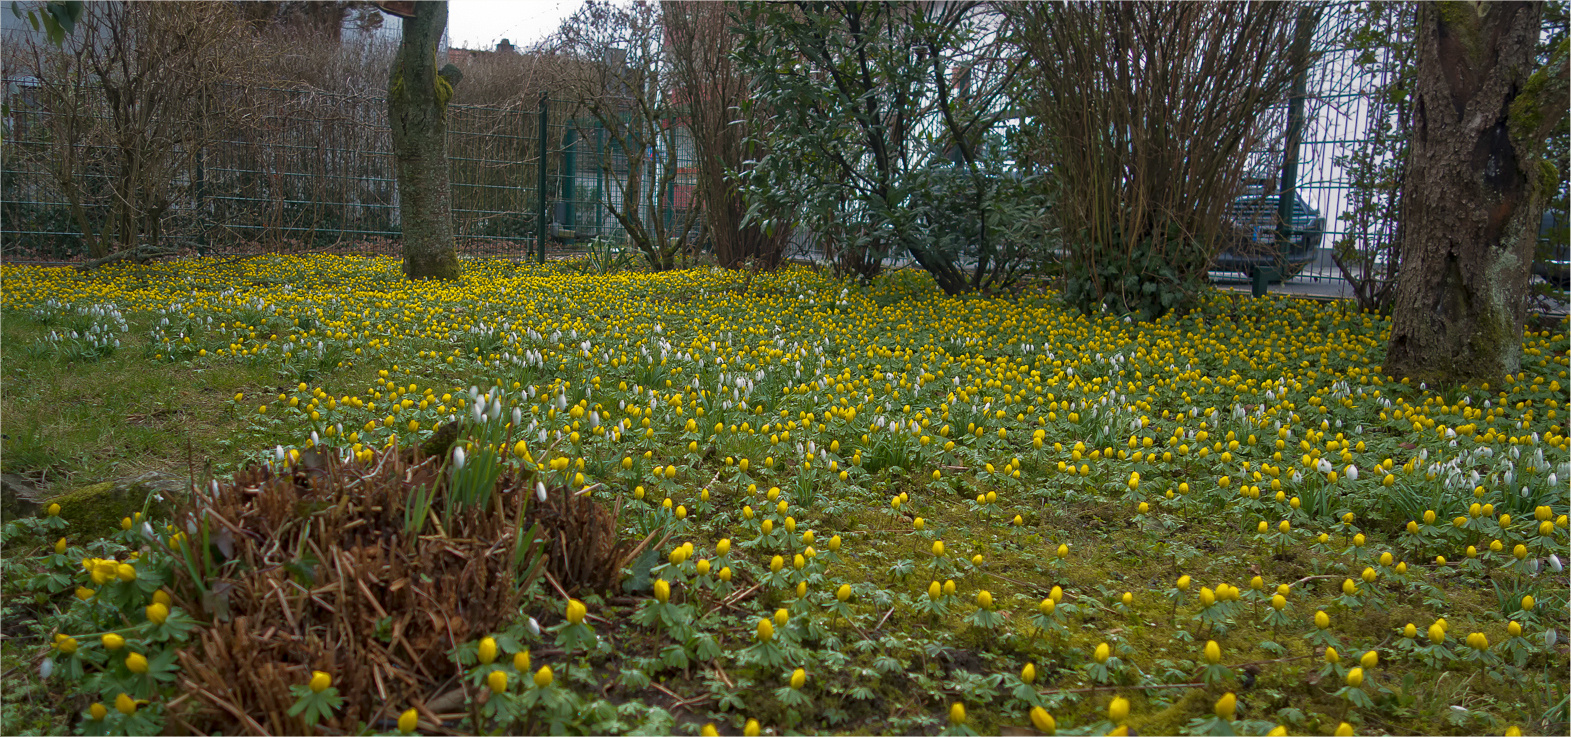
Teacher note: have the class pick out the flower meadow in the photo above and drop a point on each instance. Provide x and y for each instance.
(868, 508)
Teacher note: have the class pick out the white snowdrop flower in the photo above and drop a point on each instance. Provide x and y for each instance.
(477, 413)
(542, 436)
(540, 490)
(1550, 637)
(458, 458)
(1554, 563)
(534, 626)
(1553, 481)
(46, 668)
(1297, 477)
(1323, 466)
(278, 453)
(1352, 473)
(518, 417)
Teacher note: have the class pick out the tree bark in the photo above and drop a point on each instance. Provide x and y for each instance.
(1474, 191)
(417, 97)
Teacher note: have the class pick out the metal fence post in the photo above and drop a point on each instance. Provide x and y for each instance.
(570, 178)
(540, 180)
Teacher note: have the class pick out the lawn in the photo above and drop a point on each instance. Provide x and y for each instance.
(865, 508)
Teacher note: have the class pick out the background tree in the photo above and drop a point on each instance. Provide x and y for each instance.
(883, 138)
(417, 97)
(625, 83)
(1145, 113)
(713, 102)
(1475, 191)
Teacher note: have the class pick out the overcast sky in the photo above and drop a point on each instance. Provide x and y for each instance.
(480, 24)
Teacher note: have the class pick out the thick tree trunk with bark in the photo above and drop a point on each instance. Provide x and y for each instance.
(1474, 191)
(417, 97)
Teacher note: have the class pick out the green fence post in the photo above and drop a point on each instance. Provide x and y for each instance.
(570, 178)
(540, 213)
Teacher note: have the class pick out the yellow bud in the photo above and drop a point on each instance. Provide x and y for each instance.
(844, 592)
(320, 681)
(1369, 659)
(1278, 602)
(1410, 631)
(1437, 634)
(1355, 677)
(576, 611)
(125, 705)
(1227, 706)
(1047, 606)
(798, 678)
(497, 681)
(408, 721)
(54, 510)
(136, 663)
(1028, 673)
(543, 676)
(1118, 710)
(113, 641)
(1344, 730)
(662, 591)
(1102, 653)
(984, 600)
(751, 729)
(957, 713)
(521, 661)
(1322, 620)
(98, 712)
(1043, 721)
(157, 613)
(487, 650)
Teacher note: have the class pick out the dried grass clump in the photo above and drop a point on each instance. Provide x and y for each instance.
(317, 568)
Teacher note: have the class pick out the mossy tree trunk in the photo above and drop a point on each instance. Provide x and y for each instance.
(1474, 192)
(417, 97)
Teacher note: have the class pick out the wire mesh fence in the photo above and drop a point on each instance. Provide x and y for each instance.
(316, 172)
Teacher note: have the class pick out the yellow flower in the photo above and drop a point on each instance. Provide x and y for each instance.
(1118, 710)
(798, 678)
(1514, 629)
(1028, 673)
(409, 719)
(66, 645)
(938, 548)
(844, 592)
(1183, 583)
(1063, 551)
(1102, 653)
(487, 650)
(662, 590)
(126, 572)
(957, 713)
(576, 611)
(984, 600)
(725, 574)
(1344, 730)
(766, 631)
(781, 617)
(1213, 652)
(703, 566)
(1322, 620)
(543, 676)
(125, 705)
(1369, 659)
(1128, 598)
(1207, 597)
(60, 546)
(98, 712)
(54, 510)
(113, 641)
(1528, 603)
(497, 681)
(1355, 677)
(1043, 721)
(1047, 606)
(521, 661)
(1513, 731)
(320, 681)
(136, 663)
(1279, 730)
(708, 730)
(751, 728)
(1278, 602)
(1437, 634)
(1227, 706)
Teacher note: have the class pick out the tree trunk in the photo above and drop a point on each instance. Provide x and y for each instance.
(1473, 193)
(417, 98)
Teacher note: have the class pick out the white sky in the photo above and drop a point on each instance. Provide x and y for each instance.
(480, 24)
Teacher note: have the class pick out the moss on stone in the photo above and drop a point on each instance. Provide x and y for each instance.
(96, 510)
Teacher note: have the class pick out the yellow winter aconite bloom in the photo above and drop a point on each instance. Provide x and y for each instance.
(66, 645)
(97, 711)
(798, 678)
(1528, 603)
(766, 631)
(408, 721)
(1227, 706)
(1102, 653)
(1183, 583)
(1344, 730)
(1369, 659)
(125, 704)
(1118, 710)
(708, 730)
(1213, 652)
(751, 729)
(487, 650)
(497, 681)
(957, 713)
(1437, 634)
(844, 592)
(1322, 620)
(1043, 721)
(1355, 677)
(136, 663)
(113, 641)
(521, 661)
(543, 676)
(320, 681)
(576, 611)
(1028, 673)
